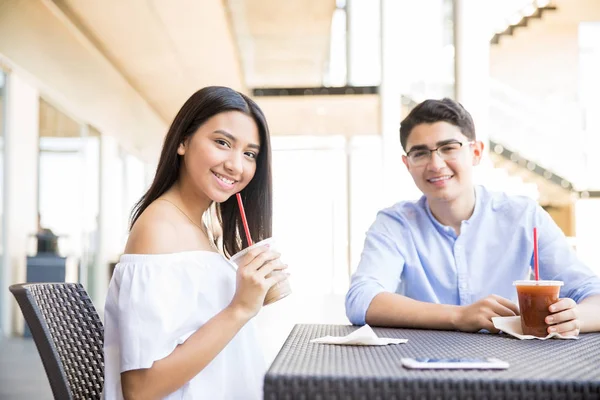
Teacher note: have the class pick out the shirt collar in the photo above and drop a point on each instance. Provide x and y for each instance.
(448, 230)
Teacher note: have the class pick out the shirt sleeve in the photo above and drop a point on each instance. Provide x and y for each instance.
(159, 307)
(379, 270)
(558, 261)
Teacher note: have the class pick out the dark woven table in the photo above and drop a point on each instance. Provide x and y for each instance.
(550, 369)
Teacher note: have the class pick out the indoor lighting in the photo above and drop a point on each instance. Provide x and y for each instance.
(529, 10)
(542, 3)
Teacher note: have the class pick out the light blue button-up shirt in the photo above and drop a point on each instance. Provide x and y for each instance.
(407, 251)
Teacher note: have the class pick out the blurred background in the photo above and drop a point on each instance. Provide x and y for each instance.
(88, 89)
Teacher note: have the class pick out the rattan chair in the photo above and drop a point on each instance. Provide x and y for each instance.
(68, 334)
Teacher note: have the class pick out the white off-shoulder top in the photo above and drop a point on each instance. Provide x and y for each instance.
(155, 302)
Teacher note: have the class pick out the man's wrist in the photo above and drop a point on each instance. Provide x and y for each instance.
(454, 316)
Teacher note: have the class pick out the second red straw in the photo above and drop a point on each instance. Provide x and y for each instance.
(536, 265)
(244, 220)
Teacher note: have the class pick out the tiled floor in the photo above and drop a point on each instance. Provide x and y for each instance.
(22, 375)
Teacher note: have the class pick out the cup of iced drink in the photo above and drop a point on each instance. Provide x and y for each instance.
(277, 291)
(534, 299)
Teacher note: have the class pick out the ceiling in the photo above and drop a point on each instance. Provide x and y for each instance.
(165, 52)
(282, 43)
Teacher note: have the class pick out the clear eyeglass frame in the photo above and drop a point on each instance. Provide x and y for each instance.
(447, 152)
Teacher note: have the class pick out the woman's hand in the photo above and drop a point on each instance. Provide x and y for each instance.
(253, 280)
(564, 318)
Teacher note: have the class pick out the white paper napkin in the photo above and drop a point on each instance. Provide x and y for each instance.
(363, 337)
(512, 326)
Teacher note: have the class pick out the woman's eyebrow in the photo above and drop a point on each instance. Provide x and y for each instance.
(234, 139)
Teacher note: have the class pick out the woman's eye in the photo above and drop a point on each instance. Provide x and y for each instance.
(250, 154)
(222, 142)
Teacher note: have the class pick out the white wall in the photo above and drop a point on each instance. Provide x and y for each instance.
(20, 188)
(113, 220)
(395, 75)
(472, 61)
(587, 229)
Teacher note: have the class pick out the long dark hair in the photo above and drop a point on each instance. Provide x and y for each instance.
(257, 195)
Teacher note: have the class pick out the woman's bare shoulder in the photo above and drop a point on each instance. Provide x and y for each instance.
(156, 231)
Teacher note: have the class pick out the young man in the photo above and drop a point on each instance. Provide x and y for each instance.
(448, 261)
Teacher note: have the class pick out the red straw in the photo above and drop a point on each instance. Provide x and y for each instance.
(536, 266)
(244, 221)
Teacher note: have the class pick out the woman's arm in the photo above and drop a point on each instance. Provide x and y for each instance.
(187, 360)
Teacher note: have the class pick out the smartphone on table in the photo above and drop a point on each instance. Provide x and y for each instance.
(454, 363)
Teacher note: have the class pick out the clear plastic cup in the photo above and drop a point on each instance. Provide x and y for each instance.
(280, 289)
(534, 299)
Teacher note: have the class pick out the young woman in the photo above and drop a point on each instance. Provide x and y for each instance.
(178, 315)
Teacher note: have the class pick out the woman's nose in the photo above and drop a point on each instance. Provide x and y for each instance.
(234, 163)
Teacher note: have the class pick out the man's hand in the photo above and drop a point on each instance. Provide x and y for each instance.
(478, 315)
(564, 318)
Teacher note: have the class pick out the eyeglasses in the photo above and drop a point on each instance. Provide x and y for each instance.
(449, 151)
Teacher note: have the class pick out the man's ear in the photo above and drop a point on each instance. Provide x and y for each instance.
(478, 147)
(405, 161)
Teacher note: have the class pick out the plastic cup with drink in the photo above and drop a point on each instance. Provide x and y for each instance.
(280, 289)
(535, 298)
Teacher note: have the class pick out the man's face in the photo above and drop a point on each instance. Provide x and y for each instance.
(438, 178)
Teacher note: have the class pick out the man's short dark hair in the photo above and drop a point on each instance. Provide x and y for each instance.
(432, 111)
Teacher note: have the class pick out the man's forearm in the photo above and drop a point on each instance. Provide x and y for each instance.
(394, 310)
(589, 314)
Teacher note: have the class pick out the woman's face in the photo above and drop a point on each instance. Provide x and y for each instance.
(219, 159)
